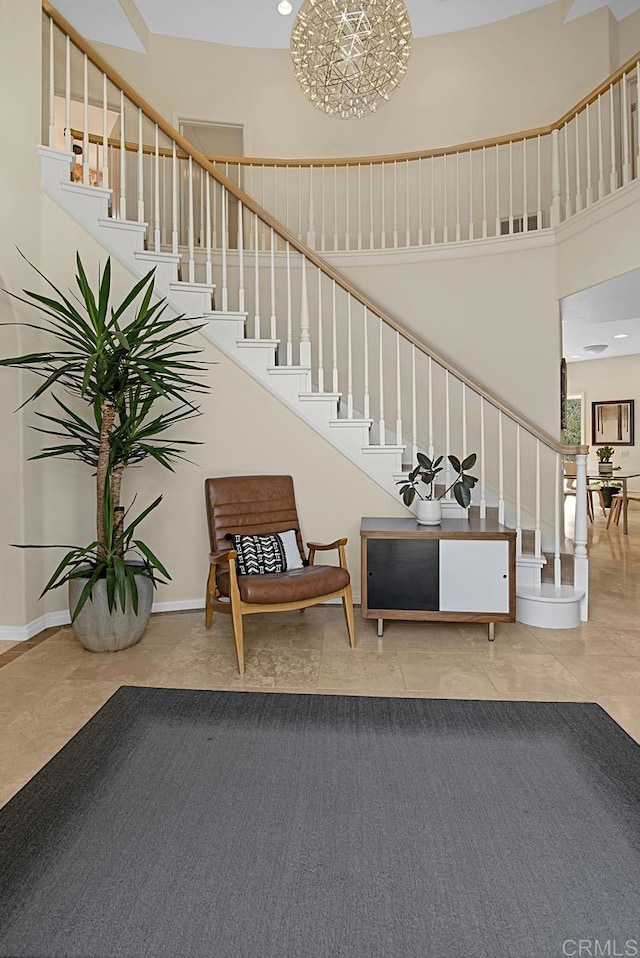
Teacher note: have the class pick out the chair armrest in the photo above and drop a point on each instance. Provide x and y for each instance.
(325, 547)
(219, 558)
(339, 544)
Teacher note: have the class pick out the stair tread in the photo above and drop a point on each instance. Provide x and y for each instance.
(548, 592)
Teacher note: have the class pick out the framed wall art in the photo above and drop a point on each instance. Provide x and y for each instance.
(612, 422)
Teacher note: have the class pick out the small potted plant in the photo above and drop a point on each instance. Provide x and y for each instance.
(604, 454)
(421, 481)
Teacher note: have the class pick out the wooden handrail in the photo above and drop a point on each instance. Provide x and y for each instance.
(309, 253)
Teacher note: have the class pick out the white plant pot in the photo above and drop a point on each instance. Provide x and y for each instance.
(429, 512)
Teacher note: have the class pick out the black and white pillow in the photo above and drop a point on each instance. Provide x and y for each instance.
(262, 554)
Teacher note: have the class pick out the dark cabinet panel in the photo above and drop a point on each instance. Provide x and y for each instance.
(403, 574)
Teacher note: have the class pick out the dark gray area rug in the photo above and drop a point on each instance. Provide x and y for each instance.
(241, 825)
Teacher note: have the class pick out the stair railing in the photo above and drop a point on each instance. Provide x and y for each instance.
(389, 380)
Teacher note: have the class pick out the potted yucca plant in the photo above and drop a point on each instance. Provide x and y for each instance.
(120, 377)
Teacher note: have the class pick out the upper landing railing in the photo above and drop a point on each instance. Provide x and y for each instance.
(519, 183)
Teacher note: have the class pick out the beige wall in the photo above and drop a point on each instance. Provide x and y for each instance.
(517, 74)
(496, 315)
(600, 380)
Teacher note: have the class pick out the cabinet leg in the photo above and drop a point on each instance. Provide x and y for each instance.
(380, 628)
(491, 631)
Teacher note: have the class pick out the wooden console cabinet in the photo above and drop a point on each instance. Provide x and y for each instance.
(462, 570)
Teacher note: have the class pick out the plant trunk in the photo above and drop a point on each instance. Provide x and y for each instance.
(115, 482)
(108, 418)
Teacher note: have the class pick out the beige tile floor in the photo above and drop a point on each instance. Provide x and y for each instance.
(49, 692)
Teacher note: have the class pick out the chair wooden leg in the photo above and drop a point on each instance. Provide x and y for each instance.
(614, 511)
(208, 608)
(238, 635)
(590, 505)
(347, 606)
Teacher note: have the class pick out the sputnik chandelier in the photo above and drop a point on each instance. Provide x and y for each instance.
(349, 55)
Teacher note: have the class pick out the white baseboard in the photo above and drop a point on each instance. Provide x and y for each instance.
(20, 633)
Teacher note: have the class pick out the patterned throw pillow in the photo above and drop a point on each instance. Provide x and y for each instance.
(262, 554)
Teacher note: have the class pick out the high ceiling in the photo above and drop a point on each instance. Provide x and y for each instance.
(256, 23)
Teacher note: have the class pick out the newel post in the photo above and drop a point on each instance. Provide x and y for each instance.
(555, 178)
(581, 558)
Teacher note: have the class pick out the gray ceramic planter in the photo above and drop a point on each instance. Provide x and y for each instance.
(102, 631)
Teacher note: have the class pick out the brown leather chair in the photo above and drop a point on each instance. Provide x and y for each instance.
(256, 505)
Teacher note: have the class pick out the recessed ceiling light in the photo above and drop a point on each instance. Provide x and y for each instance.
(621, 336)
(575, 357)
(595, 348)
(285, 8)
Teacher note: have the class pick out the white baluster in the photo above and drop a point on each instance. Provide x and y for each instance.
(383, 428)
(525, 196)
(323, 234)
(568, 208)
(613, 178)
(430, 384)
(484, 193)
(518, 493)
(289, 313)
(320, 336)
(240, 253)
(85, 122)
(464, 421)
(190, 227)
(272, 252)
(539, 196)
(580, 557)
(140, 165)
(347, 202)
(538, 532)
(359, 206)
(414, 406)
(383, 233)
(305, 322)
(299, 202)
(447, 429)
(420, 227)
(407, 236)
(201, 223)
(174, 199)
(224, 240)
(52, 86)
(365, 347)
(498, 226)
(510, 187)
(371, 235)
(311, 214)
(209, 264)
(432, 232)
(470, 195)
(601, 181)
(589, 189)
(334, 338)
(67, 97)
(444, 200)
(335, 207)
(395, 204)
(555, 178)
(349, 361)
(398, 393)
(626, 157)
(105, 135)
(578, 180)
(483, 484)
(156, 192)
(256, 277)
(457, 197)
(214, 217)
(558, 494)
(500, 470)
(123, 163)
(164, 213)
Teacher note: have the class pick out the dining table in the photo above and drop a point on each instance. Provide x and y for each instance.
(622, 478)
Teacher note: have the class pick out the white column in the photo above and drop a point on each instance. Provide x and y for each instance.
(580, 556)
(555, 177)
